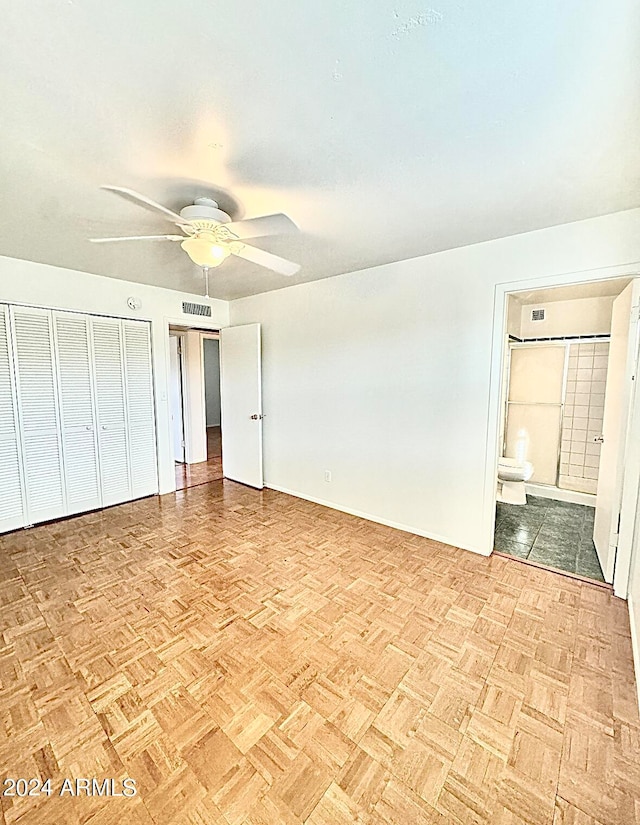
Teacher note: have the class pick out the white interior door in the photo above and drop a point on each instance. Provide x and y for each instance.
(79, 438)
(175, 399)
(629, 537)
(12, 512)
(111, 410)
(241, 404)
(614, 427)
(38, 405)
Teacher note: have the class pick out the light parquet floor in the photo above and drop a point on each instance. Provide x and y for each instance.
(190, 475)
(253, 659)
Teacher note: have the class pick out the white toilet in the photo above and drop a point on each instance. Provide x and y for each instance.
(512, 475)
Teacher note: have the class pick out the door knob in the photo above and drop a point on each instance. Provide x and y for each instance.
(256, 417)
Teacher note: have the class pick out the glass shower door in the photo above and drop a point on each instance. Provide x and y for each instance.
(534, 408)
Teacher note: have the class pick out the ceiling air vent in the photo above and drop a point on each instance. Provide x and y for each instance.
(537, 314)
(196, 309)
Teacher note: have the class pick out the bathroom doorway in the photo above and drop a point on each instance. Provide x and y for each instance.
(561, 345)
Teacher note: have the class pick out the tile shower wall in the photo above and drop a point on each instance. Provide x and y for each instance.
(583, 413)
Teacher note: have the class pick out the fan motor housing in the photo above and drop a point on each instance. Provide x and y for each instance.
(204, 209)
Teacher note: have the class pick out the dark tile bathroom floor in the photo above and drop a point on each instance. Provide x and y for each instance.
(549, 532)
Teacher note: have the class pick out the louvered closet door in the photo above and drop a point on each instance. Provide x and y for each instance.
(111, 410)
(140, 411)
(37, 395)
(12, 513)
(79, 438)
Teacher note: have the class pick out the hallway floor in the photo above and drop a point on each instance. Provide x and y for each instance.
(250, 658)
(190, 475)
(554, 533)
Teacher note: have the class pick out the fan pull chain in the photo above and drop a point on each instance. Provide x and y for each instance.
(205, 270)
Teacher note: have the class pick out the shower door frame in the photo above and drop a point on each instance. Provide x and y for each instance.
(530, 345)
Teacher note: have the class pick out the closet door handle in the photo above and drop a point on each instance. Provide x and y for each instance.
(88, 428)
(104, 427)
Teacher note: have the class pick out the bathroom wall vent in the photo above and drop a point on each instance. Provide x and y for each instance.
(537, 314)
(196, 309)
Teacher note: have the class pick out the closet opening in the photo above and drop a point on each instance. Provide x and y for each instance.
(78, 412)
(194, 397)
(570, 358)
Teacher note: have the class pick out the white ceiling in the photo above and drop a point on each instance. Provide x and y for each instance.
(385, 130)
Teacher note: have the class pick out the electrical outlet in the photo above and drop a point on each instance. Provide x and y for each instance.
(327, 475)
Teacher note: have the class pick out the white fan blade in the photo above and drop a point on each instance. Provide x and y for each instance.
(258, 227)
(266, 259)
(143, 200)
(140, 238)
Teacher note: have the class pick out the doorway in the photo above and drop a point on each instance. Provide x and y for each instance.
(220, 387)
(195, 406)
(567, 384)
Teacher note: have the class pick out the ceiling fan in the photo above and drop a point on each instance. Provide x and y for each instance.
(210, 235)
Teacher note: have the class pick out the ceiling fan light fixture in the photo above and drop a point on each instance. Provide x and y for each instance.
(205, 253)
(212, 235)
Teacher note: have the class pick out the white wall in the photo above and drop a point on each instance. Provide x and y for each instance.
(211, 349)
(580, 316)
(383, 376)
(513, 324)
(25, 282)
(514, 317)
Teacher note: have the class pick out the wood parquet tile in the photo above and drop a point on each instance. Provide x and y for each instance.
(191, 475)
(253, 659)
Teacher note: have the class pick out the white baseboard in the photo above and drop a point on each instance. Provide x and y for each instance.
(634, 621)
(558, 494)
(368, 517)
